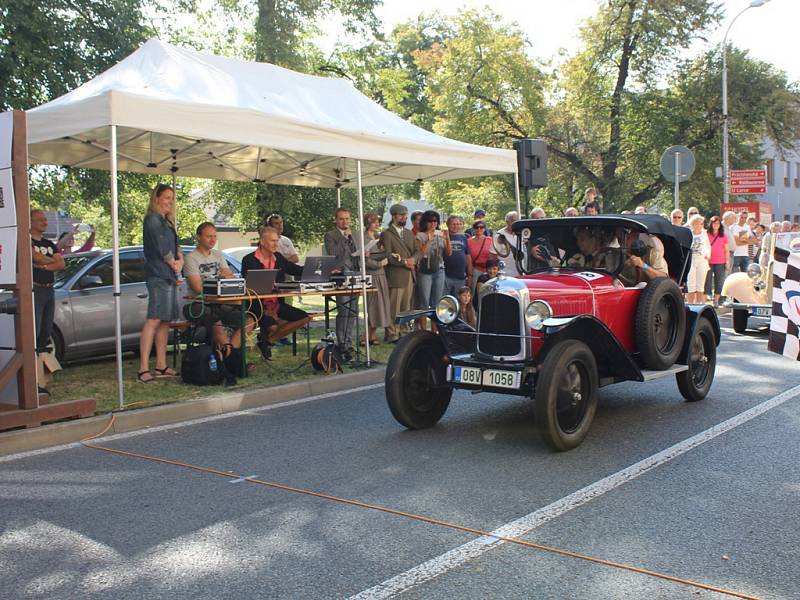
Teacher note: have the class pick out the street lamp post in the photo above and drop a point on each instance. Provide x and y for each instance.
(725, 159)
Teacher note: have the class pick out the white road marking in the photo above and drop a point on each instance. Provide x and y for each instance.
(238, 413)
(518, 528)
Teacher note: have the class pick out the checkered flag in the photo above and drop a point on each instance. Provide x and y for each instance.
(785, 321)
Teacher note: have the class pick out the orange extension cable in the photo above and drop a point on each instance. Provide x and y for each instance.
(422, 518)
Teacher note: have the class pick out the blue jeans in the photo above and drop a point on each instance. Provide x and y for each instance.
(430, 288)
(740, 263)
(452, 285)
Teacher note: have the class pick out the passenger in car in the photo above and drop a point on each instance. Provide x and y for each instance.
(645, 260)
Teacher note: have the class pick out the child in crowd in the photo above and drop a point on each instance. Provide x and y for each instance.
(466, 312)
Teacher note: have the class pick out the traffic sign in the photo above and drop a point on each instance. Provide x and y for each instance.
(685, 163)
(750, 174)
(748, 181)
(748, 189)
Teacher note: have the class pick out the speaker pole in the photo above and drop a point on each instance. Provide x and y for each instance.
(516, 189)
(527, 204)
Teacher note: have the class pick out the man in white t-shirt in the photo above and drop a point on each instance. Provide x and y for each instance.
(728, 221)
(207, 263)
(742, 236)
(504, 245)
(285, 245)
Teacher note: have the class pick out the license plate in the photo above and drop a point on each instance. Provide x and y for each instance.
(763, 312)
(488, 378)
(469, 375)
(503, 379)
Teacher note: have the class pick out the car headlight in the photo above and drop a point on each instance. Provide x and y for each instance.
(754, 271)
(447, 309)
(537, 313)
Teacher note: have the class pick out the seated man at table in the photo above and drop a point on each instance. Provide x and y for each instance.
(277, 319)
(207, 263)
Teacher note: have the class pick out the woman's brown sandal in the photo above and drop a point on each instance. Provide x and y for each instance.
(140, 377)
(165, 372)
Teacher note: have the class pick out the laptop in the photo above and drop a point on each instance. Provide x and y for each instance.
(317, 269)
(261, 281)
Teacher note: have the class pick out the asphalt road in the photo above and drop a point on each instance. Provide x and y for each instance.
(720, 508)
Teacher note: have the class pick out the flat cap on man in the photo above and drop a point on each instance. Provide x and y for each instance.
(398, 209)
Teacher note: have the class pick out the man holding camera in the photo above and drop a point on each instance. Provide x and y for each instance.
(645, 260)
(504, 245)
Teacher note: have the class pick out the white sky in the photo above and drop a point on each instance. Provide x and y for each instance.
(767, 32)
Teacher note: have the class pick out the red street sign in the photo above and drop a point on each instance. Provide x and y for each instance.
(748, 189)
(748, 178)
(749, 173)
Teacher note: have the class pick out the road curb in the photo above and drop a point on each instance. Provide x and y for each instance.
(56, 434)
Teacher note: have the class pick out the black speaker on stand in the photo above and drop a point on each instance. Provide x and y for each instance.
(531, 166)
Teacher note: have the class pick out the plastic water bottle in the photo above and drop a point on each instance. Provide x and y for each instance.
(212, 363)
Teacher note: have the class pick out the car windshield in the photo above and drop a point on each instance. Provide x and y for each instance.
(72, 264)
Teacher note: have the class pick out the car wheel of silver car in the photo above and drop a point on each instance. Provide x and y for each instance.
(57, 342)
(566, 394)
(702, 361)
(739, 318)
(416, 381)
(660, 324)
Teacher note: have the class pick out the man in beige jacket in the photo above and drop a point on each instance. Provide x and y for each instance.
(402, 254)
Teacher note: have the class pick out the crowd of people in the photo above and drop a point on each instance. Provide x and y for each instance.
(413, 262)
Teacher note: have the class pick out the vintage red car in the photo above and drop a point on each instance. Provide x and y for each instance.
(581, 317)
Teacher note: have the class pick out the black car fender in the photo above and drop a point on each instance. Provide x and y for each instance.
(613, 362)
(694, 312)
(458, 337)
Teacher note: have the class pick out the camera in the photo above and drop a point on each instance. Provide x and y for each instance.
(8, 306)
(542, 244)
(638, 248)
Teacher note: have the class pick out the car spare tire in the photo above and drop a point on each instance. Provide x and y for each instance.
(660, 324)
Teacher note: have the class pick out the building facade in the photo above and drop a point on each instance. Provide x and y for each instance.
(783, 182)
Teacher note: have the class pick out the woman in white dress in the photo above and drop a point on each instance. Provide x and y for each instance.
(701, 252)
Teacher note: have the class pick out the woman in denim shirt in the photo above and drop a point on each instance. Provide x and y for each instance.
(433, 244)
(163, 262)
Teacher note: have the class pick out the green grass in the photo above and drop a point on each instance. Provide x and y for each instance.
(97, 379)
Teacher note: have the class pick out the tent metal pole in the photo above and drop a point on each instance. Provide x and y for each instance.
(516, 194)
(363, 261)
(338, 197)
(115, 265)
(174, 204)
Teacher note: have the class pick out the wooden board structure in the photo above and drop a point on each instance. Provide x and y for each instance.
(31, 409)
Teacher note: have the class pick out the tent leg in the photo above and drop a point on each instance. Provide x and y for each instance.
(115, 264)
(516, 195)
(363, 261)
(338, 197)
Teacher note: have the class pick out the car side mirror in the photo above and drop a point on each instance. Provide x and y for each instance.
(90, 281)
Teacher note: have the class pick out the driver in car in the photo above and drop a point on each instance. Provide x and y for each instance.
(645, 260)
(592, 255)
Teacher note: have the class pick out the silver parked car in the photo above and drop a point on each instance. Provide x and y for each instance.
(84, 314)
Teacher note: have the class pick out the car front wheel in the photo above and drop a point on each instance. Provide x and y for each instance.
(566, 395)
(695, 382)
(416, 387)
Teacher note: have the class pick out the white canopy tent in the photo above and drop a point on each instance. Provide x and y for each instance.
(170, 110)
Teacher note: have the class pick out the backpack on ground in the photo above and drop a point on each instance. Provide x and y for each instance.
(202, 365)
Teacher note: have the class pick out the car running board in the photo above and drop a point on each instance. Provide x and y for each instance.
(673, 370)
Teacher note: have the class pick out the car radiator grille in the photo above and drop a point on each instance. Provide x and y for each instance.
(499, 313)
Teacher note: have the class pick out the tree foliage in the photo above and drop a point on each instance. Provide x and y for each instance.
(50, 48)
